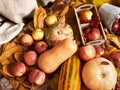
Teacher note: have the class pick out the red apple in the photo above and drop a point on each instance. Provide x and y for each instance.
(37, 77)
(41, 46)
(115, 26)
(86, 52)
(17, 69)
(91, 33)
(99, 50)
(30, 58)
(27, 40)
(115, 58)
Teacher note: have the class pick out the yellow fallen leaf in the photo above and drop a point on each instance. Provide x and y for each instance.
(39, 17)
(18, 56)
(114, 39)
(54, 81)
(21, 87)
(98, 3)
(6, 72)
(5, 62)
(108, 49)
(8, 52)
(8, 46)
(14, 83)
(87, 1)
(75, 3)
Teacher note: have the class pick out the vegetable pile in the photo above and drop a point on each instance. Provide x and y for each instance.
(48, 53)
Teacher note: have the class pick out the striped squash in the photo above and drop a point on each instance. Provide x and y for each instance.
(69, 78)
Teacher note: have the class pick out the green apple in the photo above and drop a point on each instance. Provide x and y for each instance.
(38, 34)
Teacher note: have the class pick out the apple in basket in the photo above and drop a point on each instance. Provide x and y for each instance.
(91, 33)
(85, 16)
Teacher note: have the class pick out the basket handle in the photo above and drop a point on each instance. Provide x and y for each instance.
(96, 42)
(84, 6)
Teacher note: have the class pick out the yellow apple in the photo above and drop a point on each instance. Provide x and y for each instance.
(85, 16)
(51, 19)
(38, 34)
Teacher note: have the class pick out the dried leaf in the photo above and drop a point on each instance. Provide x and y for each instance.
(114, 39)
(21, 79)
(14, 83)
(54, 81)
(6, 72)
(5, 62)
(58, 8)
(8, 46)
(18, 38)
(39, 17)
(64, 11)
(62, 16)
(21, 87)
(18, 56)
(87, 1)
(74, 4)
(98, 3)
(108, 49)
(62, 21)
(9, 51)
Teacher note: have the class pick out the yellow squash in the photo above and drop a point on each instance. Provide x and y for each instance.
(69, 78)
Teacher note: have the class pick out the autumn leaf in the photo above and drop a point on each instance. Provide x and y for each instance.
(8, 46)
(9, 49)
(98, 3)
(108, 49)
(39, 17)
(18, 56)
(6, 72)
(14, 83)
(21, 87)
(114, 39)
(75, 3)
(5, 62)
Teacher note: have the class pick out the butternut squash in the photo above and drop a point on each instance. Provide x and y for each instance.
(69, 78)
(51, 59)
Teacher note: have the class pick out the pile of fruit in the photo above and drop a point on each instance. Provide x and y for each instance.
(48, 53)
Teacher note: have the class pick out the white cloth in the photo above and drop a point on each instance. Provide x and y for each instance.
(16, 12)
(8, 30)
